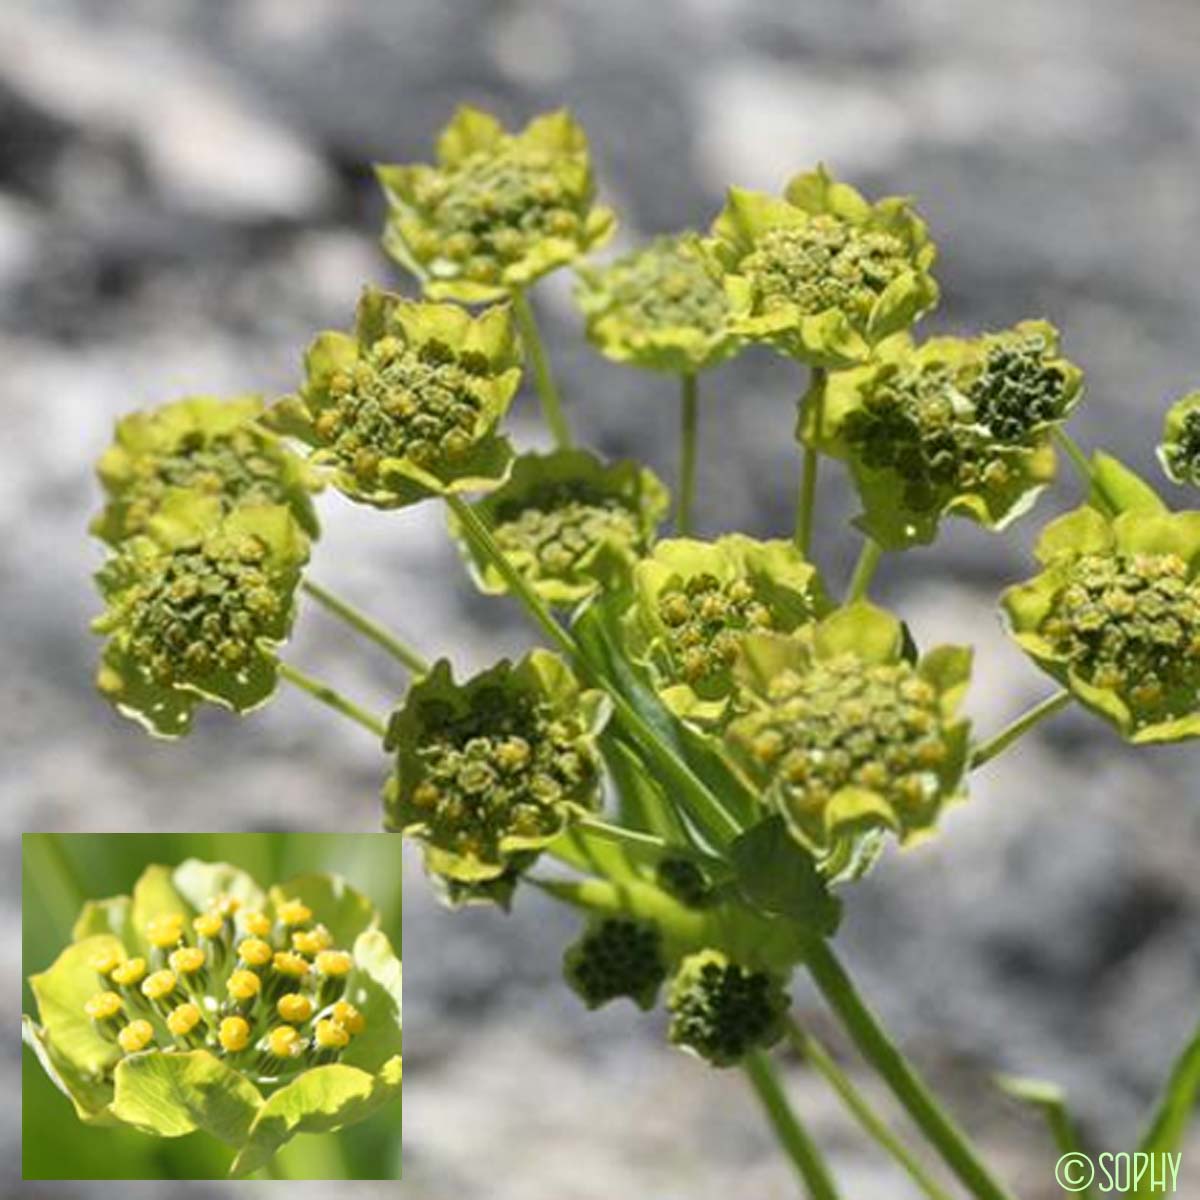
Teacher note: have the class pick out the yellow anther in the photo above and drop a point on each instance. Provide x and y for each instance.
(158, 985)
(256, 924)
(294, 1008)
(187, 960)
(255, 952)
(335, 963)
(293, 912)
(105, 962)
(291, 965)
(285, 1042)
(137, 1035)
(243, 985)
(130, 973)
(165, 931)
(234, 1033)
(103, 1005)
(313, 941)
(330, 1035)
(183, 1020)
(208, 925)
(348, 1017)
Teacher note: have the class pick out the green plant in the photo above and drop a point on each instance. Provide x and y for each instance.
(721, 742)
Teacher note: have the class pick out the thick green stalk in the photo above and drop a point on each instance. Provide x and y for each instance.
(806, 503)
(792, 1136)
(908, 1087)
(547, 389)
(369, 628)
(689, 418)
(333, 699)
(1079, 460)
(864, 570)
(814, 1053)
(1026, 721)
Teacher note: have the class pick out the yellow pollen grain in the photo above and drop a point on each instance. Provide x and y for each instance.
(234, 1033)
(292, 965)
(335, 963)
(294, 1008)
(103, 1005)
(187, 960)
(243, 985)
(137, 1035)
(183, 1020)
(255, 952)
(158, 985)
(130, 972)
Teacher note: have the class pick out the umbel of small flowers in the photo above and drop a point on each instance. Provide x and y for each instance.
(202, 1002)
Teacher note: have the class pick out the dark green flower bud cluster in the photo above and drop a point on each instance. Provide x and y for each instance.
(705, 621)
(846, 723)
(1181, 452)
(1020, 389)
(826, 263)
(502, 770)
(401, 400)
(685, 881)
(1130, 624)
(723, 1011)
(617, 956)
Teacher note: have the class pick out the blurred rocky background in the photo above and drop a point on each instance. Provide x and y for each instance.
(186, 195)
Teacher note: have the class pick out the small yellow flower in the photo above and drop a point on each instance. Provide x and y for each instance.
(130, 973)
(243, 985)
(183, 1020)
(330, 1035)
(256, 924)
(312, 942)
(348, 1017)
(209, 925)
(233, 1034)
(285, 1042)
(187, 960)
(159, 985)
(165, 931)
(254, 952)
(293, 912)
(294, 1008)
(106, 962)
(335, 963)
(226, 906)
(103, 1006)
(137, 1035)
(292, 965)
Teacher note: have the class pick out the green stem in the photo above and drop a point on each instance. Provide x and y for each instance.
(643, 843)
(811, 1050)
(806, 503)
(864, 570)
(1010, 733)
(882, 1053)
(706, 806)
(1071, 448)
(367, 627)
(272, 1168)
(792, 1136)
(687, 455)
(552, 411)
(334, 699)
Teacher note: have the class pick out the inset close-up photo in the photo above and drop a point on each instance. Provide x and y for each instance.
(211, 1006)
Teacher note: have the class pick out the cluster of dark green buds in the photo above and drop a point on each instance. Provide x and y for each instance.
(491, 771)
(1180, 448)
(685, 881)
(407, 406)
(498, 210)
(210, 446)
(722, 1010)
(569, 523)
(662, 306)
(846, 735)
(196, 608)
(821, 273)
(265, 995)
(1115, 616)
(615, 957)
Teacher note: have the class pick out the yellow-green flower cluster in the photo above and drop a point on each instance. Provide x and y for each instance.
(408, 406)
(195, 609)
(662, 306)
(722, 1011)
(615, 957)
(569, 523)
(204, 444)
(1115, 616)
(498, 209)
(490, 771)
(1180, 448)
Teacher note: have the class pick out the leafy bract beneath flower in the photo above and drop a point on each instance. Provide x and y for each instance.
(195, 609)
(498, 209)
(695, 603)
(954, 427)
(1115, 617)
(201, 444)
(845, 737)
(408, 406)
(193, 1052)
(822, 274)
(490, 771)
(1179, 452)
(569, 523)
(662, 306)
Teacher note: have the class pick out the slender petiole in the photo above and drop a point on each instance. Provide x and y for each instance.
(547, 389)
(369, 628)
(864, 570)
(1025, 722)
(1071, 448)
(818, 1057)
(641, 842)
(333, 699)
(807, 501)
(793, 1137)
(689, 419)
